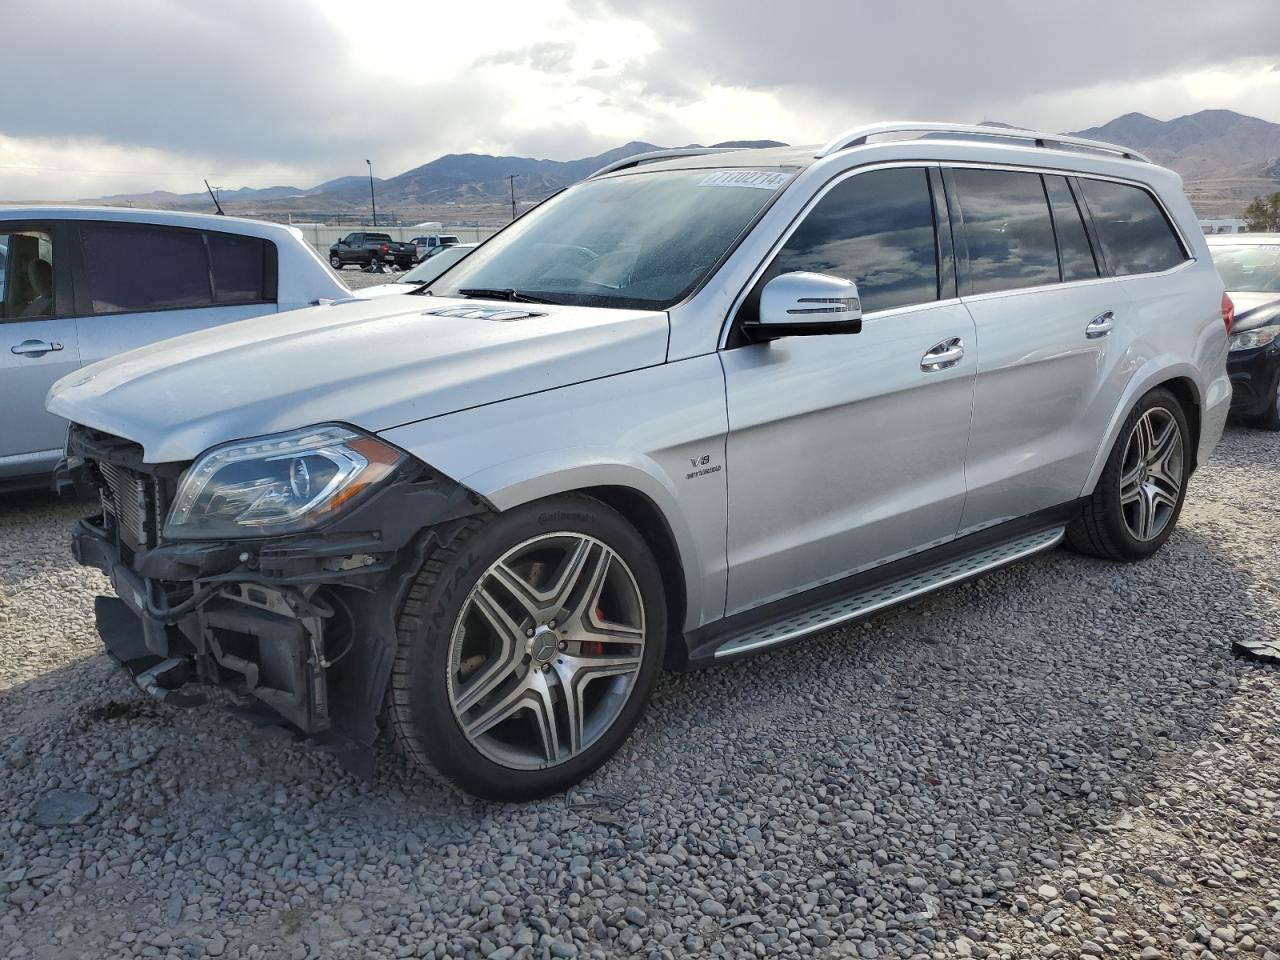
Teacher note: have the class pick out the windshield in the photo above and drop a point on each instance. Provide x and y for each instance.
(1249, 267)
(435, 265)
(642, 240)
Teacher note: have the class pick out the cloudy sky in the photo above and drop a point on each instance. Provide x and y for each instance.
(132, 95)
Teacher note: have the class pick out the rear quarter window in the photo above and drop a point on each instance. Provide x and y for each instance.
(1135, 234)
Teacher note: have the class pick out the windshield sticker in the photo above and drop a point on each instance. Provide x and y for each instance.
(760, 179)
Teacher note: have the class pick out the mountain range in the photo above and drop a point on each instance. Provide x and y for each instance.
(1225, 159)
(454, 179)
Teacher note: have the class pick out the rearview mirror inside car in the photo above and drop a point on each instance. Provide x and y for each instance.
(806, 304)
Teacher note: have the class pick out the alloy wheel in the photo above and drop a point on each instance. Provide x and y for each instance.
(1151, 474)
(545, 651)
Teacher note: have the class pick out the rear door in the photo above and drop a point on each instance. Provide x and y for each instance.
(37, 343)
(1053, 333)
(139, 283)
(846, 451)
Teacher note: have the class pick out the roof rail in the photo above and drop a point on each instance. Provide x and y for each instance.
(654, 155)
(858, 136)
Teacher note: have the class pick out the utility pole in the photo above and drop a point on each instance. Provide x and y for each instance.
(372, 202)
(512, 180)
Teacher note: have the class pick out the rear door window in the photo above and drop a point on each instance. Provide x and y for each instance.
(134, 269)
(1135, 234)
(1078, 262)
(876, 229)
(138, 268)
(1007, 229)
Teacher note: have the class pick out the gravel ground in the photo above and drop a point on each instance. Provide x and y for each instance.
(1061, 758)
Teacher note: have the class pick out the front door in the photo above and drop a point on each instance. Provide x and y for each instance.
(37, 345)
(847, 451)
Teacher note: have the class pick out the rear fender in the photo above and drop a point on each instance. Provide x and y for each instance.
(1156, 371)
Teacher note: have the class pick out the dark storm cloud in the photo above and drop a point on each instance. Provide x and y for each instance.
(941, 59)
(236, 82)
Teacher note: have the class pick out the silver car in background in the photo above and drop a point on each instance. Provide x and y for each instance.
(698, 406)
(78, 284)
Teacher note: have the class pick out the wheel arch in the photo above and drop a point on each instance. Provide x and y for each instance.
(645, 495)
(1179, 379)
(650, 522)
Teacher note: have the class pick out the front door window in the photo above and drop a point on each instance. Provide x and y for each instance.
(26, 275)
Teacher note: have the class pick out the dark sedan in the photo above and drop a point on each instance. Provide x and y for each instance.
(1249, 265)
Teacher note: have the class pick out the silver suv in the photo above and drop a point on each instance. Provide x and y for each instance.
(697, 406)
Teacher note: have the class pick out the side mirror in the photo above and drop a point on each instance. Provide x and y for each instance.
(806, 304)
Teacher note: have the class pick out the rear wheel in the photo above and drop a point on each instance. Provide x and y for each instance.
(1136, 503)
(528, 646)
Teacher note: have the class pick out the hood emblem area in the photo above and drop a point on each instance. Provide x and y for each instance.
(501, 314)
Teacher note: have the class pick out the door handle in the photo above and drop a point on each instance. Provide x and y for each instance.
(35, 348)
(1100, 325)
(942, 355)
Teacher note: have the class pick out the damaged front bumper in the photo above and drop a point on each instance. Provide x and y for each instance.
(300, 629)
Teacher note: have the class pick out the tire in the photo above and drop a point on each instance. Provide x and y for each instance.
(335, 261)
(454, 672)
(1270, 420)
(1133, 509)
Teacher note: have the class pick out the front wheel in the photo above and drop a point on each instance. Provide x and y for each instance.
(528, 645)
(335, 261)
(1270, 420)
(1135, 506)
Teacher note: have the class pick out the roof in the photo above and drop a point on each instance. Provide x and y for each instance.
(1026, 143)
(167, 218)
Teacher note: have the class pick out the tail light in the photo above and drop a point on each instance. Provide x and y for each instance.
(386, 248)
(1228, 313)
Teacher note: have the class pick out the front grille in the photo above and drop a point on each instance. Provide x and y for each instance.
(130, 499)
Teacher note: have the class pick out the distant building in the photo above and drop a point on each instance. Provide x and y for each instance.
(1222, 225)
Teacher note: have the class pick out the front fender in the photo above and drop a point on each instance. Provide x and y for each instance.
(659, 432)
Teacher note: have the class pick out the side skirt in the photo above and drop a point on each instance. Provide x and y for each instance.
(833, 605)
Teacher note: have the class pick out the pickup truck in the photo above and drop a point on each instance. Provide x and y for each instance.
(364, 248)
(427, 244)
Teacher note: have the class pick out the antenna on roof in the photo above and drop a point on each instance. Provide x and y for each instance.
(214, 196)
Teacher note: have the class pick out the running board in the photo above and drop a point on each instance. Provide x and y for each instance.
(851, 607)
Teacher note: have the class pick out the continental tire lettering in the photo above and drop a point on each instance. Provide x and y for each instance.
(560, 516)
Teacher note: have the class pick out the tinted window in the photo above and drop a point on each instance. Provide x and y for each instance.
(1135, 236)
(132, 269)
(26, 275)
(237, 266)
(875, 229)
(1007, 229)
(1073, 241)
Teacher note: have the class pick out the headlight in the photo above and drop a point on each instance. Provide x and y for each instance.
(1258, 337)
(278, 484)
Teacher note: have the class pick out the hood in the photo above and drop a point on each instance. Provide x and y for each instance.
(1255, 310)
(373, 364)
